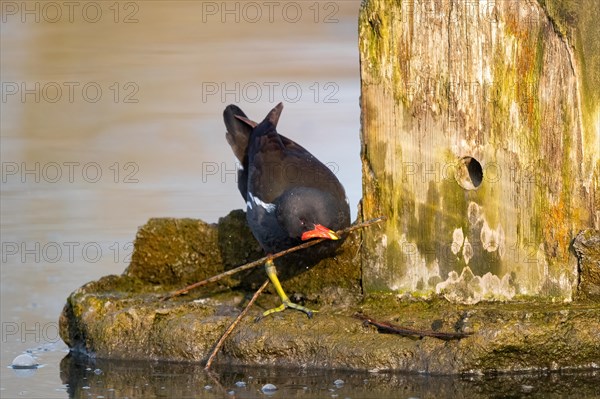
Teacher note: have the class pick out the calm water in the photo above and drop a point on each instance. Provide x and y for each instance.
(110, 115)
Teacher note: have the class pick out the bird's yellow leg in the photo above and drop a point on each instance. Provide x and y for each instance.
(272, 273)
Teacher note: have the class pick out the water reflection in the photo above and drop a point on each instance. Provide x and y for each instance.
(112, 379)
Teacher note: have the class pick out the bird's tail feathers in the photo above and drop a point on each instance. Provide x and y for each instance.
(239, 128)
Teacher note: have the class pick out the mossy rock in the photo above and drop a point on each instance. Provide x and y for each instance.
(173, 252)
(123, 317)
(238, 246)
(506, 337)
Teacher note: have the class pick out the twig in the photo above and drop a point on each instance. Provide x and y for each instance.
(215, 379)
(265, 258)
(408, 332)
(227, 332)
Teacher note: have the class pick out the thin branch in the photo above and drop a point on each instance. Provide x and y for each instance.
(227, 332)
(385, 327)
(265, 258)
(215, 379)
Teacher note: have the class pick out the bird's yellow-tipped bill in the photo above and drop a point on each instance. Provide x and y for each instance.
(319, 231)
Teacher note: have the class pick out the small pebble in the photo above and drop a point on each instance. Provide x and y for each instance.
(25, 361)
(208, 387)
(338, 383)
(97, 371)
(268, 388)
(240, 384)
(232, 392)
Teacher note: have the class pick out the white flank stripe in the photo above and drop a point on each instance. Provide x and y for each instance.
(268, 207)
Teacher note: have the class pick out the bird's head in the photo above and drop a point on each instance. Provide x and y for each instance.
(308, 213)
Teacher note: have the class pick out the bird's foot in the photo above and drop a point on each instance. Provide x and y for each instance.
(285, 305)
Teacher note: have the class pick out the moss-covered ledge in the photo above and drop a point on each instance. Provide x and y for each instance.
(122, 316)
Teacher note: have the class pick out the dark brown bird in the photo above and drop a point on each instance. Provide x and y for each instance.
(290, 195)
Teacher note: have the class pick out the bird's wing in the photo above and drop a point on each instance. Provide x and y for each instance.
(279, 163)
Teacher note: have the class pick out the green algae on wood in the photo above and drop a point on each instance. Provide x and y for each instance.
(502, 89)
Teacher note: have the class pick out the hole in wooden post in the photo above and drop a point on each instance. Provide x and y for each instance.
(469, 173)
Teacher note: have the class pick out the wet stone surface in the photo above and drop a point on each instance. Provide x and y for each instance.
(122, 317)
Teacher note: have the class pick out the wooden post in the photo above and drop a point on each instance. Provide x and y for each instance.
(479, 144)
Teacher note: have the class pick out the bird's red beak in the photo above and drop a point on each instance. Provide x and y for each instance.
(319, 231)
